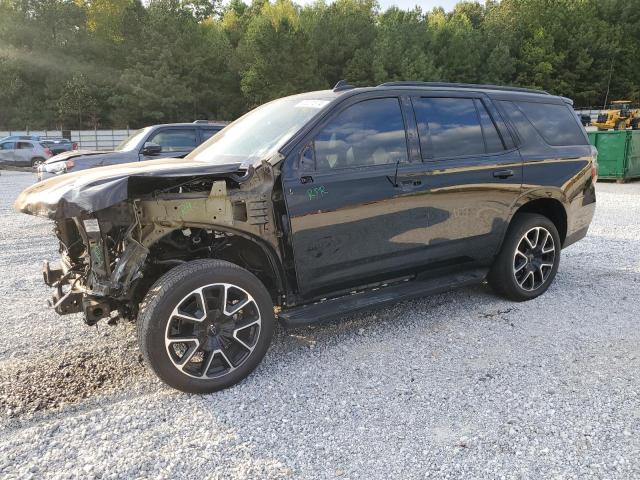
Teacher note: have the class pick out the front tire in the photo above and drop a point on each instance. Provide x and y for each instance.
(205, 325)
(37, 161)
(528, 260)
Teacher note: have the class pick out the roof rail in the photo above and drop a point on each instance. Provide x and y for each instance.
(342, 85)
(462, 85)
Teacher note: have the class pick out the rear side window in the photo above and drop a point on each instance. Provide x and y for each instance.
(175, 140)
(455, 127)
(492, 139)
(557, 124)
(24, 146)
(367, 133)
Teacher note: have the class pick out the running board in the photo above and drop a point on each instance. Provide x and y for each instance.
(335, 307)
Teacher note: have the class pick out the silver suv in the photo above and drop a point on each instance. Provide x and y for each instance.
(23, 152)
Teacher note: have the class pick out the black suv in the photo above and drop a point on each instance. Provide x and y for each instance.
(316, 205)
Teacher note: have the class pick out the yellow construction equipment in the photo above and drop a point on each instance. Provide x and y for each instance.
(619, 116)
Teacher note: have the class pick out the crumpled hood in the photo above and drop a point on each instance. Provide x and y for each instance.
(72, 154)
(89, 191)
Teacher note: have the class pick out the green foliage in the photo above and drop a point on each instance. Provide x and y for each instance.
(85, 63)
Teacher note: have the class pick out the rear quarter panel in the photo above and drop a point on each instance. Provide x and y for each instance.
(562, 173)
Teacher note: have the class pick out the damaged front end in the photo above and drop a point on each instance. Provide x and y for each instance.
(120, 229)
(100, 261)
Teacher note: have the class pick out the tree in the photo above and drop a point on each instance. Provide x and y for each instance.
(129, 62)
(76, 102)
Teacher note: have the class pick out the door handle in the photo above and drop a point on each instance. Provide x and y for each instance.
(306, 179)
(409, 184)
(503, 173)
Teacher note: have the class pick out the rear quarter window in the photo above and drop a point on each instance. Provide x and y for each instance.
(556, 124)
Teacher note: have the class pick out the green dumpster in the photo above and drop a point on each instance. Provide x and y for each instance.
(618, 154)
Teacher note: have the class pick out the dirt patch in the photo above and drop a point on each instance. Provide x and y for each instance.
(54, 382)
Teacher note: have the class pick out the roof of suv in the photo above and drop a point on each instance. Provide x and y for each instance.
(342, 87)
(190, 124)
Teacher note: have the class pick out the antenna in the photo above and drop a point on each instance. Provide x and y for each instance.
(342, 85)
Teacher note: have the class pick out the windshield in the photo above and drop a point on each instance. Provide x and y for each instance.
(131, 141)
(260, 133)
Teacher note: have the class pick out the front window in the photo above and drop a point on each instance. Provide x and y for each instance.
(260, 133)
(367, 133)
(131, 141)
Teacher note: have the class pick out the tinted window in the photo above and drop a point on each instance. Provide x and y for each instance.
(367, 133)
(7, 146)
(492, 140)
(524, 128)
(208, 133)
(24, 146)
(450, 125)
(555, 123)
(175, 140)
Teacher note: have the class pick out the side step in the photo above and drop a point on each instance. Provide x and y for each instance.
(335, 307)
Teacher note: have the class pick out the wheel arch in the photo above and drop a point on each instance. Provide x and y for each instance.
(250, 252)
(549, 206)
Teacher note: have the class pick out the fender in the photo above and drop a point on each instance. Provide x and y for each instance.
(537, 193)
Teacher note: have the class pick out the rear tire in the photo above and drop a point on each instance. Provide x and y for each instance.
(528, 260)
(36, 161)
(620, 126)
(222, 313)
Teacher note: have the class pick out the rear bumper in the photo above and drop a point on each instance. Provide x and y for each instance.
(579, 216)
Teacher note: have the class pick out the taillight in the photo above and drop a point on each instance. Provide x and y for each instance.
(69, 164)
(48, 152)
(74, 146)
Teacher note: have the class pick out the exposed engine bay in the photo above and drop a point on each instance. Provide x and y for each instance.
(110, 257)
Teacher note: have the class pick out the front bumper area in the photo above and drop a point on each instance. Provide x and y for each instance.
(67, 300)
(98, 268)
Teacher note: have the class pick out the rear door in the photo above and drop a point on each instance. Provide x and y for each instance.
(471, 176)
(176, 142)
(24, 153)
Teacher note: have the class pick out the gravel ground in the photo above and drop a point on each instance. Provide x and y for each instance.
(458, 385)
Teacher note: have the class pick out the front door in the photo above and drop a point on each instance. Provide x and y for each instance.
(175, 142)
(7, 152)
(345, 211)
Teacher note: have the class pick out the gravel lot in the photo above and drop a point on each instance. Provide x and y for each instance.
(458, 385)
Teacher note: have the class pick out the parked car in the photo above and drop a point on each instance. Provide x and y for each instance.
(19, 137)
(158, 141)
(58, 145)
(23, 153)
(317, 205)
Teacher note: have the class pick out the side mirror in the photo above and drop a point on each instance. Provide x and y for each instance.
(151, 149)
(307, 160)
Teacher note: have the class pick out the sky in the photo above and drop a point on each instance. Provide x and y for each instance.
(426, 5)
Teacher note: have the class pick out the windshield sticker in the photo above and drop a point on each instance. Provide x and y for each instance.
(311, 103)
